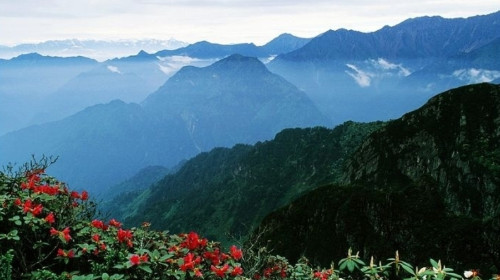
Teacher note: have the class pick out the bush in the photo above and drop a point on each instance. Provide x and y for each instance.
(50, 232)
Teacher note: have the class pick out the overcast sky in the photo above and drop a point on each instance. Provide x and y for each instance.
(218, 21)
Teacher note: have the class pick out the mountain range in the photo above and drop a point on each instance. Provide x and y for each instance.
(383, 74)
(151, 109)
(235, 100)
(227, 191)
(59, 89)
(425, 184)
(96, 49)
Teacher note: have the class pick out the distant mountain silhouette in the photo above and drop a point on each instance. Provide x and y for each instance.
(236, 100)
(359, 76)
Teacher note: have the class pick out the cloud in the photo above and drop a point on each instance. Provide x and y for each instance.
(362, 78)
(171, 64)
(221, 21)
(386, 65)
(473, 75)
(114, 69)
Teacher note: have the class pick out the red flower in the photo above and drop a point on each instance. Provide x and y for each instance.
(214, 256)
(50, 218)
(37, 210)
(53, 231)
(60, 252)
(65, 234)
(17, 202)
(189, 263)
(236, 253)
(124, 236)
(98, 224)
(27, 206)
(283, 273)
(237, 271)
(75, 195)
(96, 238)
(115, 223)
(34, 209)
(220, 271)
(33, 178)
(65, 254)
(47, 189)
(84, 196)
(197, 273)
(193, 241)
(267, 272)
(135, 260)
(102, 246)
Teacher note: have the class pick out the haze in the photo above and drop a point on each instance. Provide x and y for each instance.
(221, 21)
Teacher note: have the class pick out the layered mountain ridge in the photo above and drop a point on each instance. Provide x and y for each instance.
(194, 111)
(425, 184)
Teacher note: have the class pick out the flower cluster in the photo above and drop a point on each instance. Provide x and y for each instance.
(55, 225)
(49, 230)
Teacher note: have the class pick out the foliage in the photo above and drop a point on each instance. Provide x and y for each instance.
(230, 190)
(48, 232)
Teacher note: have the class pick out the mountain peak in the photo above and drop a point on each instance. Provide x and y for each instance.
(240, 64)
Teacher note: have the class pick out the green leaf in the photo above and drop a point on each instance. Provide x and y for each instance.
(350, 265)
(166, 257)
(408, 269)
(146, 268)
(343, 265)
(454, 275)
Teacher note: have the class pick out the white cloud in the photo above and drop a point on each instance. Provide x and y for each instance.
(171, 64)
(386, 65)
(114, 69)
(362, 78)
(221, 21)
(473, 75)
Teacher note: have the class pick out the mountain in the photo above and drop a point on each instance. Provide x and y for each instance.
(140, 181)
(129, 81)
(417, 38)
(352, 75)
(424, 184)
(226, 192)
(97, 49)
(206, 49)
(284, 43)
(232, 101)
(236, 100)
(27, 80)
(478, 65)
(80, 82)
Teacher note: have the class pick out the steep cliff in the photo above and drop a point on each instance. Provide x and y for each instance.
(425, 184)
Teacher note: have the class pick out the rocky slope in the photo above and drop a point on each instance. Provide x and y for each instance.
(425, 184)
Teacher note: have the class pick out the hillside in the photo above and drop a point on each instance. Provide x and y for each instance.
(236, 100)
(426, 183)
(227, 191)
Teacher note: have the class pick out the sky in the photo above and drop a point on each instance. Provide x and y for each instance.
(217, 21)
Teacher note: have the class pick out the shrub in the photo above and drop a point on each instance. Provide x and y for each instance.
(50, 232)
